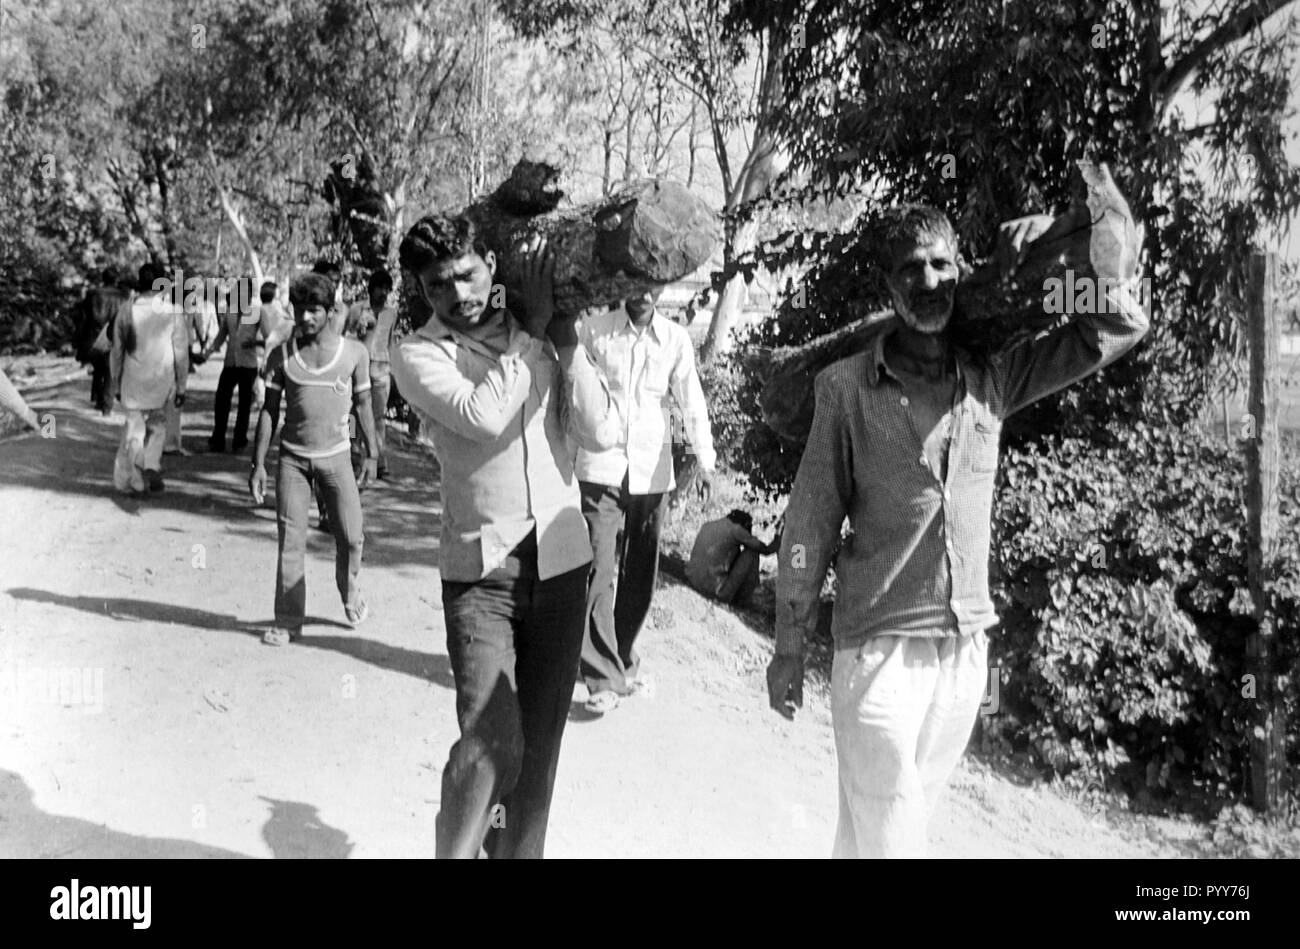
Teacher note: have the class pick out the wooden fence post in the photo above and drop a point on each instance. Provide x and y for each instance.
(1260, 430)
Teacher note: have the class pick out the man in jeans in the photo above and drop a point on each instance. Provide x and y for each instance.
(93, 348)
(647, 359)
(322, 378)
(904, 442)
(239, 332)
(504, 398)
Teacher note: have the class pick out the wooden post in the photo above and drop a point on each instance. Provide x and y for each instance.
(1260, 430)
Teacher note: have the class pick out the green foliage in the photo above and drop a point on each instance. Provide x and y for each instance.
(1120, 577)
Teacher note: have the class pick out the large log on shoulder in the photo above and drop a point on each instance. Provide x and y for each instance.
(649, 233)
(1096, 238)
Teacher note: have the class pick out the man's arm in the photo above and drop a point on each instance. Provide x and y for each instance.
(430, 380)
(267, 422)
(361, 396)
(686, 389)
(1030, 369)
(181, 352)
(819, 502)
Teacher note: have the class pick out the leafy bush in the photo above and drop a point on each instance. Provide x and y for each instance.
(1119, 571)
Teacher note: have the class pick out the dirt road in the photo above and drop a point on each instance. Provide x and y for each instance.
(177, 733)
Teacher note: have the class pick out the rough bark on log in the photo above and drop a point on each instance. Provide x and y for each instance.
(649, 233)
(1096, 238)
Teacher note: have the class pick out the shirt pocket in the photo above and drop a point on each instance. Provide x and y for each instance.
(983, 448)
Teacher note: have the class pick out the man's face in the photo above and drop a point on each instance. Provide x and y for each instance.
(640, 306)
(309, 320)
(377, 299)
(458, 289)
(922, 285)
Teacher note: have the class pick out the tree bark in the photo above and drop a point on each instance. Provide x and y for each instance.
(649, 233)
(1096, 238)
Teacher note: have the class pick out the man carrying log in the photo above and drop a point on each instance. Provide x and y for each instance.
(904, 442)
(504, 397)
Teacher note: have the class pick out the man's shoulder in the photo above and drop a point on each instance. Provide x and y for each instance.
(847, 374)
(355, 350)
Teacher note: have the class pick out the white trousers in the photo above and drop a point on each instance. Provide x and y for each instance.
(903, 709)
(141, 448)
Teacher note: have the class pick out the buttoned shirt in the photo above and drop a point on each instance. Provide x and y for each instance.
(505, 418)
(916, 563)
(643, 369)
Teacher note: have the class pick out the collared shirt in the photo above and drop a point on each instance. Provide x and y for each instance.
(917, 560)
(504, 415)
(642, 370)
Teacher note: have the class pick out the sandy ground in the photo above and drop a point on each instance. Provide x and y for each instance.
(141, 716)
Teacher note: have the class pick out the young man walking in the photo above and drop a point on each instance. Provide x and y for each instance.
(646, 359)
(322, 378)
(504, 397)
(94, 347)
(149, 369)
(904, 442)
(239, 332)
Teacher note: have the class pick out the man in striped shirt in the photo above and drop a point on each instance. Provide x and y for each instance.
(904, 442)
(323, 379)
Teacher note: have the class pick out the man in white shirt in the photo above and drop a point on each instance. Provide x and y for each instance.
(150, 366)
(645, 358)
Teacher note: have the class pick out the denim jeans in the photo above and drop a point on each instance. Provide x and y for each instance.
(624, 531)
(513, 641)
(337, 488)
(379, 388)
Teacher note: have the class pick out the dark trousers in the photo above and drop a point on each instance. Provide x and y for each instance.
(513, 641)
(333, 478)
(101, 388)
(231, 377)
(624, 531)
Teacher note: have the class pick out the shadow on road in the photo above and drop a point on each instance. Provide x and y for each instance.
(26, 831)
(295, 832)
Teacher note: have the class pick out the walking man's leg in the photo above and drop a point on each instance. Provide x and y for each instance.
(880, 693)
(221, 408)
(379, 405)
(602, 669)
(962, 680)
(292, 494)
(338, 489)
(128, 466)
(547, 645)
(155, 438)
(638, 572)
(484, 763)
(244, 378)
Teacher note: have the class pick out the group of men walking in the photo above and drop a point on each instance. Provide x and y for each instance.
(555, 456)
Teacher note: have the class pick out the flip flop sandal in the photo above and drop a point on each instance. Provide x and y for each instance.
(602, 702)
(280, 637)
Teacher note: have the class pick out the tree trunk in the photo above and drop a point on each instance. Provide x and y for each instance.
(1095, 239)
(647, 234)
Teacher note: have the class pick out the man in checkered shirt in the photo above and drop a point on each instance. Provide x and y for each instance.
(904, 442)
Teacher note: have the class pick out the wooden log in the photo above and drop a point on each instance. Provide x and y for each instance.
(1095, 239)
(649, 233)
(1260, 431)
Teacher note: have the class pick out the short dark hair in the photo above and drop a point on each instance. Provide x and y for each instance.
(742, 518)
(108, 276)
(312, 289)
(329, 268)
(438, 237)
(148, 275)
(380, 280)
(268, 291)
(908, 226)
